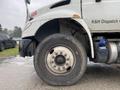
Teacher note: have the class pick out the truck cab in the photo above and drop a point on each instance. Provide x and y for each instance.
(64, 34)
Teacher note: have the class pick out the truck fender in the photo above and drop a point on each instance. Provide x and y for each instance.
(85, 26)
(32, 26)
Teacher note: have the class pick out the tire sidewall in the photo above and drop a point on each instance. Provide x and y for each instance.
(75, 74)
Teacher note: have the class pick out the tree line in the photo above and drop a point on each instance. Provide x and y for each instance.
(16, 32)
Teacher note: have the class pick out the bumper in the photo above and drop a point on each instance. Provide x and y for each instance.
(26, 47)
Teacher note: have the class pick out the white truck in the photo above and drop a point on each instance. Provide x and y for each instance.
(63, 35)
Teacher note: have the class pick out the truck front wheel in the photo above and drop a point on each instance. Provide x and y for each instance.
(60, 60)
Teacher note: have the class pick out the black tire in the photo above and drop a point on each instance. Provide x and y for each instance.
(68, 41)
(2, 47)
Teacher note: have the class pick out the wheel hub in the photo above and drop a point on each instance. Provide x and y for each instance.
(60, 60)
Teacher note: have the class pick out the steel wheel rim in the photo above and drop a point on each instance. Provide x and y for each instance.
(64, 68)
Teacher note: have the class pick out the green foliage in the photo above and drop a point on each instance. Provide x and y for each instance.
(9, 52)
(16, 32)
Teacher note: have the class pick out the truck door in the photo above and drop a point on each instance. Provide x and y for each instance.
(102, 15)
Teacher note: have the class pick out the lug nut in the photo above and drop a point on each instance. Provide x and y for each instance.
(59, 68)
(67, 64)
(52, 61)
(67, 59)
(56, 53)
(60, 53)
(65, 55)
(63, 68)
(54, 65)
(53, 57)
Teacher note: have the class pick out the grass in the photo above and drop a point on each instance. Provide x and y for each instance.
(9, 52)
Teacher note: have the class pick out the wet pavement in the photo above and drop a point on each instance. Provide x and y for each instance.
(19, 74)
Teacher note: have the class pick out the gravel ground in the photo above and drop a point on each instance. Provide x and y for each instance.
(19, 74)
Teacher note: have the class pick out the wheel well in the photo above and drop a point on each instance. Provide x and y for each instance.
(47, 29)
(65, 26)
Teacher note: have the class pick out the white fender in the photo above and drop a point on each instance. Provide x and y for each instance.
(32, 26)
(82, 22)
